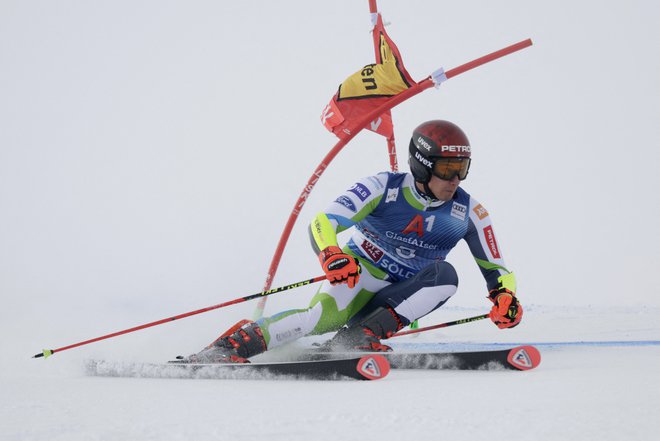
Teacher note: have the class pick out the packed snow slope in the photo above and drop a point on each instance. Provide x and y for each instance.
(597, 381)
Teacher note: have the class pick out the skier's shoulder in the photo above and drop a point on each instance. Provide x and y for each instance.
(376, 184)
(477, 212)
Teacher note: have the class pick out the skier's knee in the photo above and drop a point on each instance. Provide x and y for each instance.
(438, 273)
(327, 317)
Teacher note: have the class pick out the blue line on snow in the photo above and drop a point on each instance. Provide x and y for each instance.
(598, 343)
(477, 346)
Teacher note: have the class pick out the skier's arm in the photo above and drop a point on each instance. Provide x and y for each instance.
(322, 233)
(480, 237)
(349, 208)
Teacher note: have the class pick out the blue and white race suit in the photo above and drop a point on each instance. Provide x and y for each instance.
(400, 237)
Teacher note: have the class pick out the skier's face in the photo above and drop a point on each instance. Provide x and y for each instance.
(444, 189)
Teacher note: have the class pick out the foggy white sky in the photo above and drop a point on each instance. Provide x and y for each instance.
(151, 151)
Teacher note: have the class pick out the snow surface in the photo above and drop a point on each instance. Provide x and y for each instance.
(150, 153)
(601, 387)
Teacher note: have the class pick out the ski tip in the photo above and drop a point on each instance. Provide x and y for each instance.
(524, 358)
(373, 367)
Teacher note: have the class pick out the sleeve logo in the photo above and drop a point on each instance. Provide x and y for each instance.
(361, 191)
(480, 211)
(346, 202)
(492, 243)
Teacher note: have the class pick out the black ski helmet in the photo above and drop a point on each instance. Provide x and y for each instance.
(433, 140)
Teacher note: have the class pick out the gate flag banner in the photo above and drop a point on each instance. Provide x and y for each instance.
(369, 88)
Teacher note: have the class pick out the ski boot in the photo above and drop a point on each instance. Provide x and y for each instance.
(241, 341)
(365, 335)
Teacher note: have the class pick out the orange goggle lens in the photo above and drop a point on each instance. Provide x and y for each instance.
(447, 168)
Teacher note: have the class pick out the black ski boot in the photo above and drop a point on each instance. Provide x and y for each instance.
(241, 341)
(365, 335)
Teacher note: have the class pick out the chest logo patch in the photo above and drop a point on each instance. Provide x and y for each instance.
(392, 195)
(405, 252)
(458, 211)
(372, 250)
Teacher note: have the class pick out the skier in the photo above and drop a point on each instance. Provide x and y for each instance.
(393, 270)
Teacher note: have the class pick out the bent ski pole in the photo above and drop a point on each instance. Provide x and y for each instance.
(48, 352)
(442, 325)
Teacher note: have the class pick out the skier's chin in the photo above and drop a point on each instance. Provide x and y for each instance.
(446, 195)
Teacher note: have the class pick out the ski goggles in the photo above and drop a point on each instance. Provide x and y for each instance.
(447, 168)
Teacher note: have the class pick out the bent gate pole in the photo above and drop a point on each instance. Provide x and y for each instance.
(361, 124)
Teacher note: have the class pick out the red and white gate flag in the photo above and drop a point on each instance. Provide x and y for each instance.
(367, 89)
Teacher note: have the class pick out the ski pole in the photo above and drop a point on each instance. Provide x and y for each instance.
(442, 325)
(48, 352)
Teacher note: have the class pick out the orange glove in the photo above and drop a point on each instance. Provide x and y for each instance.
(339, 266)
(507, 312)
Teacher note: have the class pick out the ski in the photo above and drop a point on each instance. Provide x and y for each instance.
(359, 367)
(520, 358)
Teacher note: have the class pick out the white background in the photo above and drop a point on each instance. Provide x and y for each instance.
(151, 151)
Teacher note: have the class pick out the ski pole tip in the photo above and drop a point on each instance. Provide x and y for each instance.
(45, 354)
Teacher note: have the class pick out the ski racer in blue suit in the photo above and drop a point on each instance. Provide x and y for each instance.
(393, 269)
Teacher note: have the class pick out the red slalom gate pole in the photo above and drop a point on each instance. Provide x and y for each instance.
(391, 143)
(414, 90)
(48, 352)
(442, 325)
(361, 124)
(488, 58)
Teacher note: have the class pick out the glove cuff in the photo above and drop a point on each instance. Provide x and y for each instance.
(327, 252)
(493, 294)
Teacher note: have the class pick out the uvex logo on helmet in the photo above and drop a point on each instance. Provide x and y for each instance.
(423, 160)
(422, 142)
